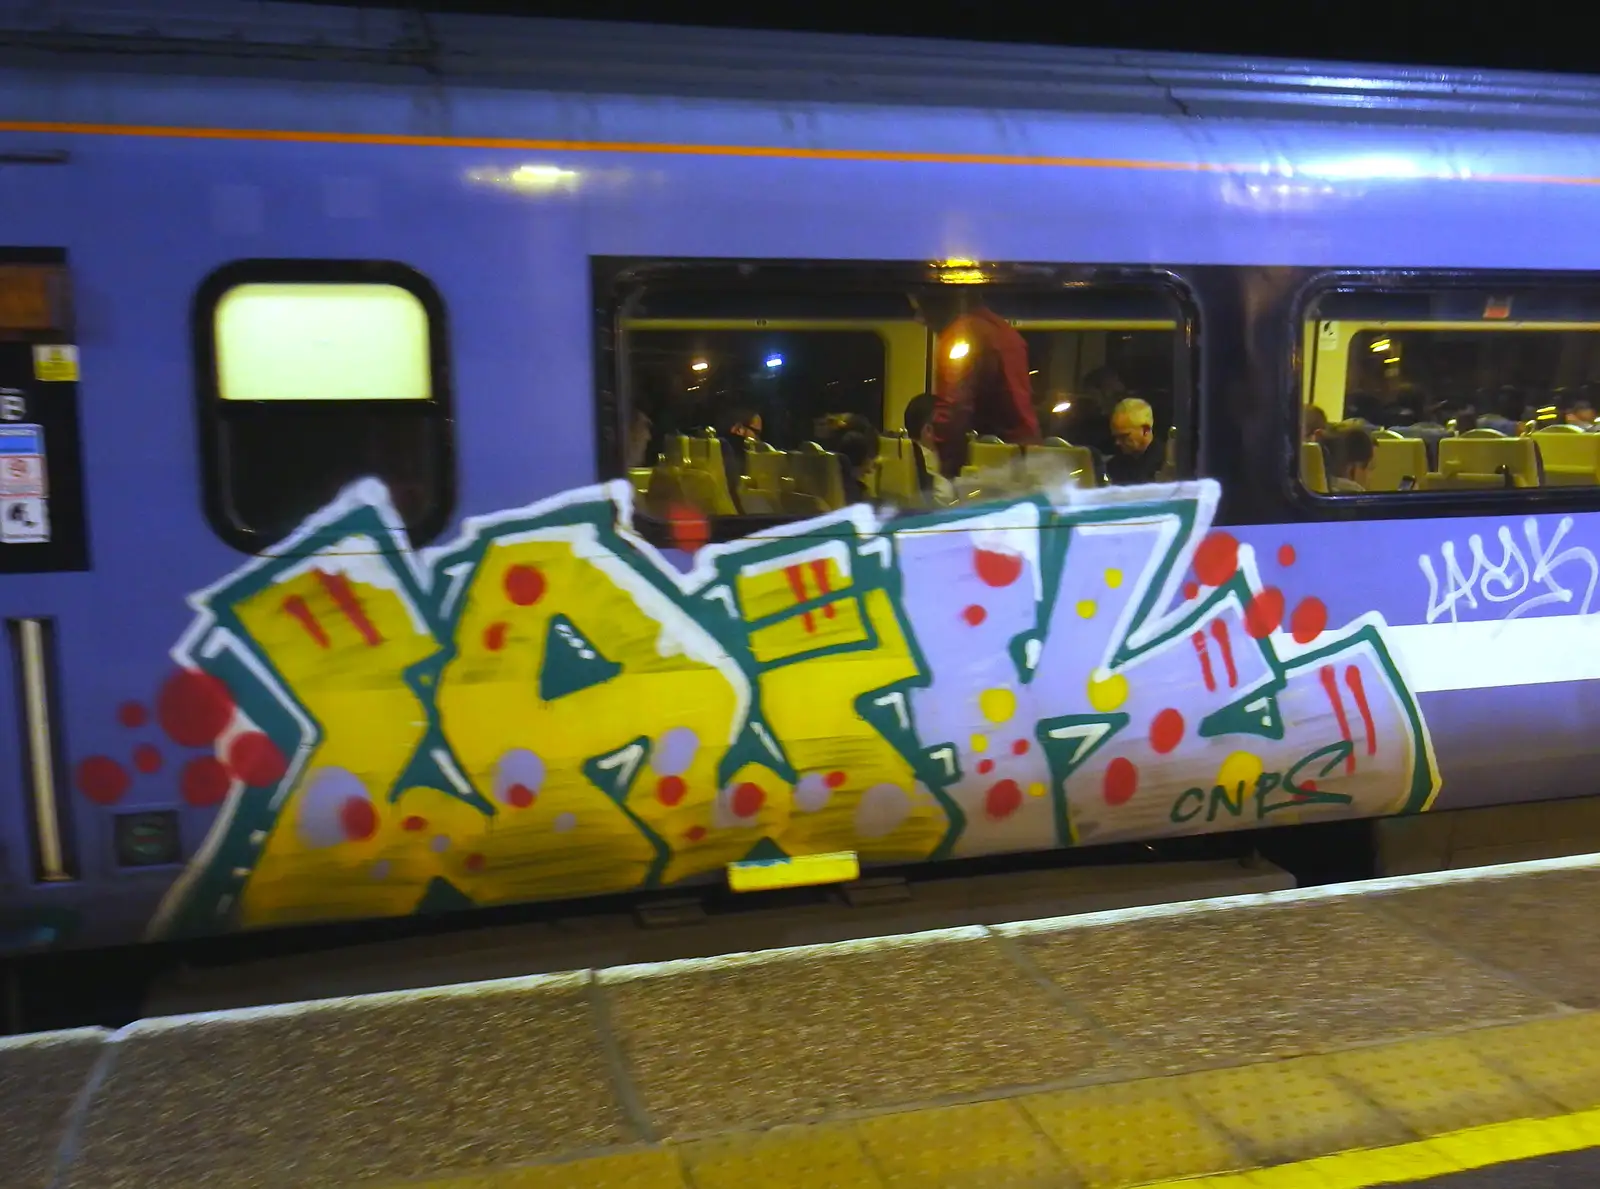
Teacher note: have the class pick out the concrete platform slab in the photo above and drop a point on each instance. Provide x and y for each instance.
(41, 1079)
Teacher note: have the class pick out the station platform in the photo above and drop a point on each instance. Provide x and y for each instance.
(1434, 1030)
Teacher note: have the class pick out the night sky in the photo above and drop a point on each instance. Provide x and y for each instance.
(1470, 33)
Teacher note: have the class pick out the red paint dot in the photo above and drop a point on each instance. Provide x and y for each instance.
(1263, 613)
(1286, 555)
(747, 800)
(494, 637)
(147, 758)
(1003, 799)
(520, 796)
(524, 585)
(997, 569)
(974, 614)
(414, 823)
(1166, 731)
(695, 833)
(1217, 558)
(985, 767)
(689, 528)
(132, 714)
(204, 782)
(834, 780)
(1190, 589)
(102, 780)
(1309, 618)
(194, 708)
(474, 862)
(1019, 747)
(670, 790)
(1309, 786)
(1122, 781)
(256, 760)
(358, 819)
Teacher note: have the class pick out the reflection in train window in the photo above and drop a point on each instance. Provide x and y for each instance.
(1450, 391)
(780, 403)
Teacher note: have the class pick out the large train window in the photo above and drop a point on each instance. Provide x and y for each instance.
(1451, 391)
(313, 374)
(780, 391)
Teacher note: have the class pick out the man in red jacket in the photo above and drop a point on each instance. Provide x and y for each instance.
(980, 381)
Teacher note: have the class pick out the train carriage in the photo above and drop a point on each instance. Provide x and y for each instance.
(370, 546)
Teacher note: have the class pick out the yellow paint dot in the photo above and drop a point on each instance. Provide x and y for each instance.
(980, 743)
(997, 705)
(1108, 692)
(1036, 789)
(1242, 767)
(1086, 609)
(1113, 578)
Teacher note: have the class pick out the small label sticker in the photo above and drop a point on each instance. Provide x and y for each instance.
(22, 460)
(55, 363)
(23, 520)
(1328, 336)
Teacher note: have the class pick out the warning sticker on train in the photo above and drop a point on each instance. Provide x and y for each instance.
(55, 362)
(23, 520)
(22, 460)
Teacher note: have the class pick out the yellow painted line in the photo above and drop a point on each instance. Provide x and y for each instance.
(797, 871)
(1458, 1151)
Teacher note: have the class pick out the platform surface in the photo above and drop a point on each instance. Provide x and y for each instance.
(1406, 1024)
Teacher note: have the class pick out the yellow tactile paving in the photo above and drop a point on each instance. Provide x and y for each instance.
(785, 1158)
(1292, 1110)
(983, 1145)
(1130, 1133)
(1559, 1058)
(1438, 1085)
(632, 1170)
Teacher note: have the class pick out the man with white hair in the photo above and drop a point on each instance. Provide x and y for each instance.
(1136, 457)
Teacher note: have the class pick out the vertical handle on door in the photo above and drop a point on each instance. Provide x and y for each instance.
(31, 641)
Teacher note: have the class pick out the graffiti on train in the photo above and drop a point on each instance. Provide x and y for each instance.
(547, 707)
(1528, 575)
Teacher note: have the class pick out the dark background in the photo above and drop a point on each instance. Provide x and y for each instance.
(1522, 35)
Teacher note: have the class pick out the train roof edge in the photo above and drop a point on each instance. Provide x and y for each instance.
(268, 38)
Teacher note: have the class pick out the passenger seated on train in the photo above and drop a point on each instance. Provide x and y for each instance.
(1349, 449)
(1313, 422)
(739, 425)
(936, 489)
(854, 440)
(981, 382)
(640, 432)
(1136, 458)
(1580, 412)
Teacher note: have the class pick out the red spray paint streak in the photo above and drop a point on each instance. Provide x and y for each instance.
(338, 588)
(819, 571)
(797, 583)
(1199, 642)
(296, 606)
(1219, 633)
(1352, 678)
(1330, 686)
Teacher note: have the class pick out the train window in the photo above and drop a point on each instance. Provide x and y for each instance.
(311, 375)
(774, 394)
(1451, 391)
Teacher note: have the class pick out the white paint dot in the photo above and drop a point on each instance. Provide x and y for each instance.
(440, 844)
(380, 869)
(518, 766)
(812, 792)
(564, 822)
(674, 751)
(882, 810)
